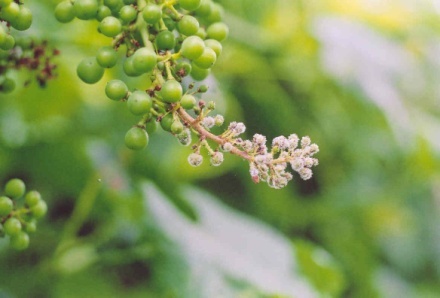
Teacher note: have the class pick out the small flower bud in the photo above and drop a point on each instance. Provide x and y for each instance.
(216, 159)
(195, 159)
(184, 137)
(208, 122)
(227, 147)
(305, 141)
(211, 105)
(219, 120)
(305, 173)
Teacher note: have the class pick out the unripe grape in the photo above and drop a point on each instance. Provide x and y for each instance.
(139, 102)
(31, 226)
(20, 241)
(192, 47)
(12, 226)
(218, 31)
(188, 25)
(183, 68)
(128, 2)
(127, 13)
(171, 91)
(116, 89)
(204, 8)
(151, 126)
(107, 56)
(103, 12)
(201, 33)
(8, 43)
(207, 59)
(64, 12)
(166, 122)
(7, 86)
(165, 40)
(113, 4)
(144, 60)
(216, 14)
(199, 74)
(6, 206)
(32, 198)
(15, 188)
(152, 13)
(136, 138)
(169, 23)
(39, 209)
(215, 45)
(128, 67)
(89, 71)
(188, 102)
(85, 9)
(110, 26)
(10, 12)
(190, 4)
(176, 127)
(23, 20)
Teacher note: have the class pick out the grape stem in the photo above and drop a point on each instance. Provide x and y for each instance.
(195, 124)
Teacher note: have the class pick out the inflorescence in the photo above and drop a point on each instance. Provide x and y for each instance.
(168, 40)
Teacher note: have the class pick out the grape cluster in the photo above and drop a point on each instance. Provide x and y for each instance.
(23, 52)
(163, 39)
(16, 222)
(166, 41)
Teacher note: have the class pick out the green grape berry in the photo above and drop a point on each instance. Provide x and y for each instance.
(113, 4)
(192, 47)
(127, 14)
(169, 23)
(64, 12)
(165, 40)
(10, 12)
(204, 9)
(12, 226)
(8, 43)
(20, 241)
(188, 25)
(218, 31)
(116, 89)
(7, 86)
(176, 127)
(190, 4)
(6, 206)
(103, 12)
(136, 138)
(151, 126)
(144, 60)
(152, 13)
(89, 71)
(188, 102)
(30, 226)
(207, 59)
(166, 122)
(199, 74)
(85, 9)
(128, 67)
(215, 45)
(216, 14)
(32, 198)
(171, 91)
(107, 57)
(183, 68)
(15, 188)
(39, 209)
(110, 26)
(139, 103)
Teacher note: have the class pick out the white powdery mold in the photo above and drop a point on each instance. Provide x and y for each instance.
(208, 122)
(216, 159)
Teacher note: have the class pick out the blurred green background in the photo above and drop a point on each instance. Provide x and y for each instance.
(361, 78)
